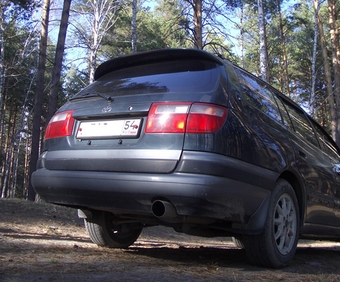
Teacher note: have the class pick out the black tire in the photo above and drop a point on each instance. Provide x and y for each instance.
(276, 246)
(238, 242)
(105, 231)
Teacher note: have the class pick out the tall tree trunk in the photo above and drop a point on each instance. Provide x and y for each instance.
(334, 31)
(328, 77)
(312, 101)
(263, 43)
(26, 170)
(3, 136)
(94, 44)
(6, 162)
(13, 145)
(285, 84)
(21, 125)
(38, 96)
(134, 27)
(242, 36)
(2, 57)
(99, 16)
(198, 30)
(9, 149)
(58, 61)
(15, 170)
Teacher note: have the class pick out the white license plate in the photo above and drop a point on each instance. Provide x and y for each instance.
(108, 128)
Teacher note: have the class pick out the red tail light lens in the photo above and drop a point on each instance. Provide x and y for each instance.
(60, 125)
(167, 118)
(185, 117)
(205, 118)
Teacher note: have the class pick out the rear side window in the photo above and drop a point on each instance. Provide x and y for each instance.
(194, 76)
(326, 143)
(258, 95)
(301, 124)
(285, 118)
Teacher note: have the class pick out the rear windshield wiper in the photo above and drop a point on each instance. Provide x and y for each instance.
(104, 96)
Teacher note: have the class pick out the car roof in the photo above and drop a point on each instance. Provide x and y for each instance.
(152, 57)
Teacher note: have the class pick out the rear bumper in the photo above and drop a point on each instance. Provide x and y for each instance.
(241, 203)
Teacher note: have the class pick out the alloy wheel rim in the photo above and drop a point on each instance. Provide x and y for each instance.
(285, 224)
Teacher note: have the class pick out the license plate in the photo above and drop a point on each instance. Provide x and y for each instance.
(109, 128)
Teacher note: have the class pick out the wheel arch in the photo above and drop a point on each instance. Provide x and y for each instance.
(298, 187)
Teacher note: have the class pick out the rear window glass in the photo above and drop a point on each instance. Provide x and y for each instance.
(257, 95)
(163, 77)
(301, 123)
(326, 142)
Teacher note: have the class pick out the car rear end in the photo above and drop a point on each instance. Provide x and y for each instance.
(147, 141)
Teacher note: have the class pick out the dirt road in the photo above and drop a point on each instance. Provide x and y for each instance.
(42, 242)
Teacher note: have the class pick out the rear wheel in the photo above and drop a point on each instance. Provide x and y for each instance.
(105, 231)
(276, 246)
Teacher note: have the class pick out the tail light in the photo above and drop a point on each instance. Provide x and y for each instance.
(185, 117)
(60, 125)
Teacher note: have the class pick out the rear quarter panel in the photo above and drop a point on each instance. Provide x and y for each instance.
(248, 134)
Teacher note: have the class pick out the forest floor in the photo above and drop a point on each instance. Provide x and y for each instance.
(43, 242)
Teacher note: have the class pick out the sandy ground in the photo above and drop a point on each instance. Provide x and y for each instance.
(43, 242)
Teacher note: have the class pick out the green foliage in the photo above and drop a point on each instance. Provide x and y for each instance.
(20, 53)
(167, 25)
(74, 81)
(300, 49)
(19, 9)
(25, 4)
(19, 67)
(172, 23)
(163, 28)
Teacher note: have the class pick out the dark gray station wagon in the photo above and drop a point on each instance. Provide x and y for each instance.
(184, 139)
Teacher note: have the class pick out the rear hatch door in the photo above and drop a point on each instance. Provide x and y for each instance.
(133, 117)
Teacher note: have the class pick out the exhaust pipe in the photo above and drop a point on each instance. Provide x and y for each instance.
(164, 210)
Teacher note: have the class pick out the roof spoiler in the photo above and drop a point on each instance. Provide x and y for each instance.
(152, 57)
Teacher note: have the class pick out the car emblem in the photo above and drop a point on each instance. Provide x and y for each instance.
(107, 109)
